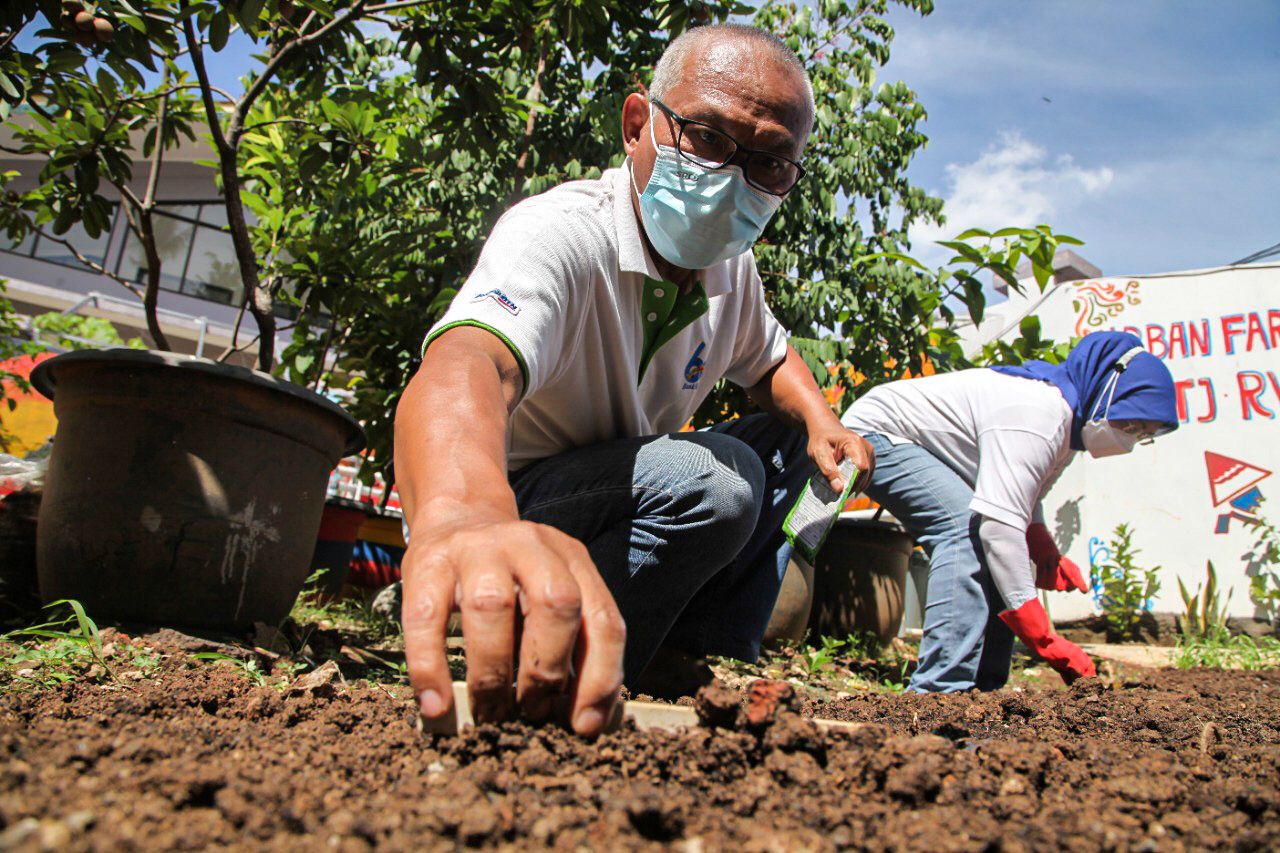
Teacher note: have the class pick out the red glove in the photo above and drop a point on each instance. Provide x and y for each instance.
(1053, 571)
(1031, 624)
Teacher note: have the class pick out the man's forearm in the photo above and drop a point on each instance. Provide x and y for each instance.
(450, 440)
(789, 393)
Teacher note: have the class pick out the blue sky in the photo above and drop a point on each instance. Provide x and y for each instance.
(1159, 145)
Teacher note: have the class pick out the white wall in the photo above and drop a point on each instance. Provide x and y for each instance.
(1219, 332)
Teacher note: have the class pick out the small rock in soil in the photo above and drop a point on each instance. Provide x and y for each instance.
(388, 601)
(194, 645)
(270, 638)
(320, 682)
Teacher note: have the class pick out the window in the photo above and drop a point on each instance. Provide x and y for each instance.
(174, 229)
(212, 272)
(197, 256)
(34, 245)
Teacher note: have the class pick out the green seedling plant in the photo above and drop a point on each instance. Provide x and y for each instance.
(1205, 615)
(249, 668)
(1205, 640)
(1126, 587)
(352, 612)
(1228, 652)
(1264, 560)
(822, 657)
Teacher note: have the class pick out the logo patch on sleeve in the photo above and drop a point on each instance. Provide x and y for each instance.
(499, 297)
(693, 370)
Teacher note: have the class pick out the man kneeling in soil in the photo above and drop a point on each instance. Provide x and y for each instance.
(547, 492)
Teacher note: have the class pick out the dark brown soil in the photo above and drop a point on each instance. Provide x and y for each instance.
(199, 757)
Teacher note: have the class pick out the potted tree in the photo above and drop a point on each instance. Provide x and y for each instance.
(181, 490)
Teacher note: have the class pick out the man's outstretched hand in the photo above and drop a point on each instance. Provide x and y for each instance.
(525, 589)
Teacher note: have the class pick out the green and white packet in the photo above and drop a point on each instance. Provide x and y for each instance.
(815, 512)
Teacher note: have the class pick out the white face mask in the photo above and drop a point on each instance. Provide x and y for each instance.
(1100, 437)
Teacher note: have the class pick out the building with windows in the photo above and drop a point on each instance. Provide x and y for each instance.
(201, 290)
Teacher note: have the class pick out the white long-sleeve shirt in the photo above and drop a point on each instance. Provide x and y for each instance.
(1007, 437)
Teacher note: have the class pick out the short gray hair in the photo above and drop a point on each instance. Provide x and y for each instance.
(666, 74)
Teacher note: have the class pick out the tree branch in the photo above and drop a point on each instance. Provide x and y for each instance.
(235, 330)
(233, 349)
(157, 156)
(138, 99)
(128, 194)
(259, 124)
(147, 234)
(202, 74)
(259, 84)
(396, 7)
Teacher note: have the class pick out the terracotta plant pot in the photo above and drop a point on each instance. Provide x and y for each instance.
(181, 491)
(860, 579)
(789, 621)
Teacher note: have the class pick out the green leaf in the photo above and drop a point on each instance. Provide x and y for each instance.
(219, 30)
(107, 85)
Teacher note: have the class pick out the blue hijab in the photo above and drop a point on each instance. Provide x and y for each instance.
(1144, 390)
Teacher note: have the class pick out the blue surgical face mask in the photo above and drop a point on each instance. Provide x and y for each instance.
(696, 216)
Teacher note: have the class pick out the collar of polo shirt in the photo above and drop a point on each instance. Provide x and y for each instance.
(633, 255)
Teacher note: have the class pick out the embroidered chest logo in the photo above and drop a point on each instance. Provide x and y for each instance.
(693, 370)
(499, 297)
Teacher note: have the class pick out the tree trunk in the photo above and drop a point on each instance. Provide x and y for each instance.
(151, 296)
(257, 296)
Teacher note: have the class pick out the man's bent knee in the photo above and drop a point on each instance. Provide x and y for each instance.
(714, 480)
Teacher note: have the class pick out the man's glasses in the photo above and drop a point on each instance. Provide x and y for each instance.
(713, 148)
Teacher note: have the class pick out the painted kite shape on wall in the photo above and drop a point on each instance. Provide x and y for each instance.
(1234, 482)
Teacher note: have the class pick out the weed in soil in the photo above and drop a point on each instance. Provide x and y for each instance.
(51, 653)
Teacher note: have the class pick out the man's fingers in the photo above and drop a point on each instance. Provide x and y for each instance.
(866, 462)
(858, 451)
(428, 601)
(601, 642)
(488, 622)
(551, 604)
(824, 456)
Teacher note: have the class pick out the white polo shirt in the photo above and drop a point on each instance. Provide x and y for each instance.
(608, 350)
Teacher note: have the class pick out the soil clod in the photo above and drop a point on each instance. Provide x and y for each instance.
(718, 706)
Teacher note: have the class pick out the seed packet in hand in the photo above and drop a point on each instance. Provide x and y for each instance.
(811, 519)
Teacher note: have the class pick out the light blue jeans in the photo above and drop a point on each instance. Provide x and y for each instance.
(686, 529)
(965, 644)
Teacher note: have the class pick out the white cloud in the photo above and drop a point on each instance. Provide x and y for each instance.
(1013, 182)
